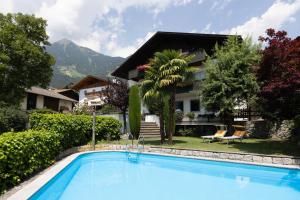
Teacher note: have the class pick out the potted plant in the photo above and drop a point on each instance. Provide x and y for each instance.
(191, 116)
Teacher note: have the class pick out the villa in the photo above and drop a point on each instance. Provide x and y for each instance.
(195, 115)
(187, 98)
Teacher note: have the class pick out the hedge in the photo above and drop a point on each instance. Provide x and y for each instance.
(25, 153)
(12, 119)
(76, 130)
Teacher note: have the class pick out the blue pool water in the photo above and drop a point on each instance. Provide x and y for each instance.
(115, 176)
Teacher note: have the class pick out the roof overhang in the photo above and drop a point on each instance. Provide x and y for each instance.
(48, 93)
(89, 80)
(169, 40)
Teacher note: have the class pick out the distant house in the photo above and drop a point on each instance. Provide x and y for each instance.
(90, 88)
(37, 98)
(68, 93)
(187, 98)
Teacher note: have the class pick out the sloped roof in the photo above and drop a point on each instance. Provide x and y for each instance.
(90, 79)
(169, 40)
(48, 93)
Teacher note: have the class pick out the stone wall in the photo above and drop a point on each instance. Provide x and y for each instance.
(226, 156)
(258, 129)
(282, 130)
(265, 129)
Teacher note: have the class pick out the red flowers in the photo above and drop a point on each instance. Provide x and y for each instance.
(142, 68)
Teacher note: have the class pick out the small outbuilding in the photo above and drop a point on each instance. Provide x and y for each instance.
(38, 98)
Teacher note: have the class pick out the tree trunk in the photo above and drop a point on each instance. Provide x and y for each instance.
(161, 126)
(228, 120)
(171, 117)
(124, 122)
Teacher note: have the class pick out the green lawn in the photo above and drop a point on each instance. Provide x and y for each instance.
(260, 146)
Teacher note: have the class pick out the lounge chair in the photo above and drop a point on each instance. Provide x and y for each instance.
(237, 135)
(217, 135)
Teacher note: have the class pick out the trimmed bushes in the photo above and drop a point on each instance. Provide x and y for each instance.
(25, 153)
(76, 130)
(134, 111)
(107, 128)
(12, 119)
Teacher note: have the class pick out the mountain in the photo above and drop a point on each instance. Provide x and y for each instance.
(73, 62)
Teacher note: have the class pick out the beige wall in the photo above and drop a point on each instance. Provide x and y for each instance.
(65, 103)
(39, 101)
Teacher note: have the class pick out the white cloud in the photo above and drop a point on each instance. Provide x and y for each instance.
(219, 5)
(78, 20)
(200, 1)
(6, 6)
(124, 51)
(94, 40)
(61, 17)
(275, 17)
(182, 2)
(292, 19)
(206, 29)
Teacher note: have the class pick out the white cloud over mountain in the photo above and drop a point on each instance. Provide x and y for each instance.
(81, 20)
(78, 19)
(276, 16)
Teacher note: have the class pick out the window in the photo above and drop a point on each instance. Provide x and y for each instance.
(31, 101)
(195, 105)
(179, 105)
(200, 75)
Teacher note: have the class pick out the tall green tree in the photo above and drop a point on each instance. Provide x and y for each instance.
(23, 60)
(229, 78)
(134, 110)
(173, 71)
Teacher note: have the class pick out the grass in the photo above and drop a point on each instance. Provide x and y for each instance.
(257, 146)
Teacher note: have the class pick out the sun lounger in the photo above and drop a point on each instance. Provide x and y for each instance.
(218, 134)
(237, 135)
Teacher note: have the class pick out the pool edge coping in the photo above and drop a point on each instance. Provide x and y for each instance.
(39, 180)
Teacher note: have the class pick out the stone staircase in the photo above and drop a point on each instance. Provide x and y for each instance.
(149, 130)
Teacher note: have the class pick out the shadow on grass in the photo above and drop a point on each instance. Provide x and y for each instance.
(274, 147)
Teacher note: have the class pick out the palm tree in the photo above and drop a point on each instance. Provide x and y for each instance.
(169, 69)
(152, 96)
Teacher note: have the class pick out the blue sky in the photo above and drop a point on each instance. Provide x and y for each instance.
(119, 27)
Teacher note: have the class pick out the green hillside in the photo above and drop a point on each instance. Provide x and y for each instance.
(74, 62)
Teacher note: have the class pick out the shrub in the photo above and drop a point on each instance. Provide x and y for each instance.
(107, 109)
(191, 115)
(25, 153)
(107, 128)
(82, 109)
(12, 119)
(178, 116)
(134, 111)
(76, 130)
(42, 111)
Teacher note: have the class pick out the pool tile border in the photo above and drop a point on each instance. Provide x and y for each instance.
(28, 188)
(257, 159)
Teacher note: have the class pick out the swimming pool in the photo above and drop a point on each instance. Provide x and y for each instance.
(119, 175)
